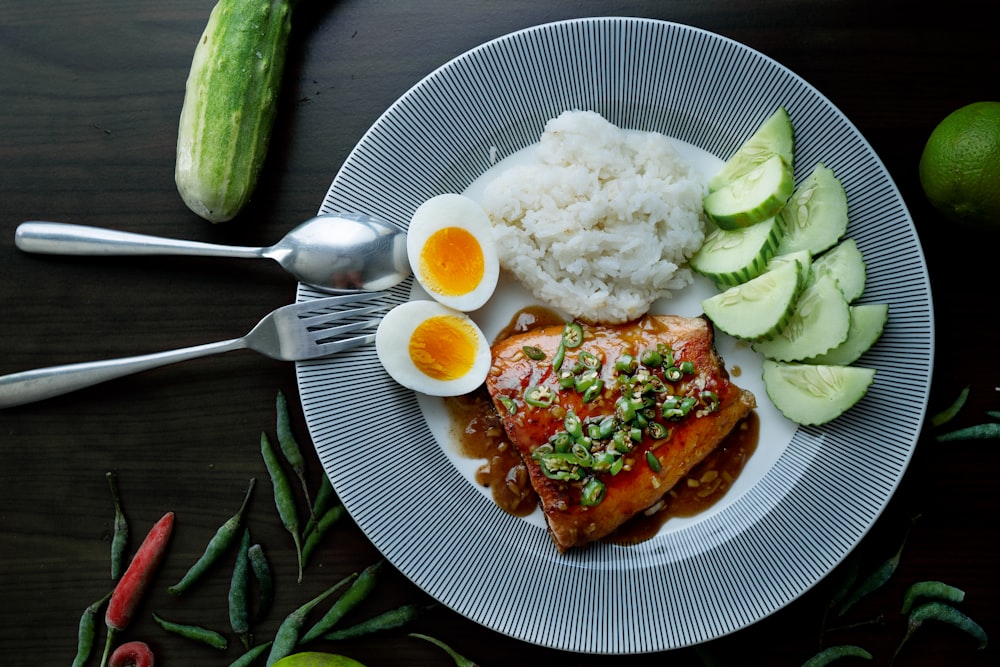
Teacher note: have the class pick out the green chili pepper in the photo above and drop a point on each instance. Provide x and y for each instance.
(533, 353)
(287, 636)
(828, 655)
(217, 546)
(193, 632)
(625, 364)
(590, 361)
(653, 462)
(88, 631)
(460, 660)
(876, 579)
(557, 361)
(284, 500)
(593, 492)
(389, 620)
(352, 597)
(325, 498)
(239, 586)
(945, 613)
(290, 446)
(265, 582)
(539, 396)
(119, 539)
(993, 413)
(572, 335)
(935, 590)
(988, 431)
(509, 405)
(326, 522)
(651, 358)
(250, 656)
(949, 413)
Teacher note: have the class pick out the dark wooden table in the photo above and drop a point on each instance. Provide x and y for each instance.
(90, 94)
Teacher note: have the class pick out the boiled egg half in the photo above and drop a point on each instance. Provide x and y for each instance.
(452, 251)
(433, 349)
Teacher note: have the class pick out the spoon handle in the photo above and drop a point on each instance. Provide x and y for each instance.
(58, 238)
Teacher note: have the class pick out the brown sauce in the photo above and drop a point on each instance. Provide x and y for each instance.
(480, 435)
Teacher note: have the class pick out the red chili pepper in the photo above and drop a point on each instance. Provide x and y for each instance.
(132, 654)
(131, 587)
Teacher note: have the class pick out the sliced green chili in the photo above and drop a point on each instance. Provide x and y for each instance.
(119, 539)
(193, 632)
(388, 620)
(290, 446)
(557, 361)
(239, 587)
(326, 522)
(952, 410)
(539, 396)
(534, 353)
(626, 364)
(287, 636)
(460, 660)
(284, 500)
(828, 655)
(651, 357)
(935, 590)
(987, 431)
(590, 361)
(217, 546)
(945, 613)
(261, 569)
(653, 462)
(87, 631)
(593, 492)
(572, 335)
(251, 655)
(508, 404)
(359, 591)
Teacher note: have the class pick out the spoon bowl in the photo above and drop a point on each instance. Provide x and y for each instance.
(336, 252)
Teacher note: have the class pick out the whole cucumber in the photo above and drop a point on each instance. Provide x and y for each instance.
(230, 104)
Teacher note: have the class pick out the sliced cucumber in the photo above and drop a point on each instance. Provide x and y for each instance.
(847, 266)
(819, 321)
(754, 197)
(773, 137)
(733, 257)
(867, 323)
(758, 307)
(803, 258)
(816, 214)
(815, 394)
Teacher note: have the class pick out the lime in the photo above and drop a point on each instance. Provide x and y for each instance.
(315, 659)
(960, 166)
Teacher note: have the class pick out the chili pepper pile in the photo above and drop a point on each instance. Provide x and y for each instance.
(251, 572)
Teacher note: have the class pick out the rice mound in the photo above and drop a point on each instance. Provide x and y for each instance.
(602, 225)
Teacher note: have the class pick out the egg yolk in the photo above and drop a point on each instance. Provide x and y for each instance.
(443, 347)
(451, 262)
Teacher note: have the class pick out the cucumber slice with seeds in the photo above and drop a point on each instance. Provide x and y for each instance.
(815, 394)
(732, 257)
(754, 197)
(847, 266)
(867, 323)
(819, 321)
(758, 307)
(815, 217)
(773, 137)
(802, 257)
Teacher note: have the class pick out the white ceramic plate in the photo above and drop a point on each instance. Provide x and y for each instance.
(808, 495)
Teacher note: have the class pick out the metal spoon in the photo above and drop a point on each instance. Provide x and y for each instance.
(338, 253)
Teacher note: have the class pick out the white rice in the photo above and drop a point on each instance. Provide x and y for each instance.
(605, 221)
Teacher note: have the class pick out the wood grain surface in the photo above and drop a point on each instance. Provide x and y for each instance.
(90, 94)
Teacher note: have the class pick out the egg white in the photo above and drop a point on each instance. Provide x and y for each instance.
(454, 210)
(392, 345)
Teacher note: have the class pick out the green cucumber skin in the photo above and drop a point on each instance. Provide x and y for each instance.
(814, 394)
(725, 259)
(230, 104)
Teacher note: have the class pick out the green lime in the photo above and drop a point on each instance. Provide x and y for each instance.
(316, 659)
(960, 166)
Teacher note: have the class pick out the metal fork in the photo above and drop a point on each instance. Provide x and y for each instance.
(290, 333)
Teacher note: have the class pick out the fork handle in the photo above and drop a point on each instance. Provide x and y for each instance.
(36, 385)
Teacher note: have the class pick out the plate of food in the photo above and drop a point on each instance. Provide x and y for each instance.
(614, 471)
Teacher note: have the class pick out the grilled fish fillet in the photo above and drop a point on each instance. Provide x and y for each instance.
(602, 446)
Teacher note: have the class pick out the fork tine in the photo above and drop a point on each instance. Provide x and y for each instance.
(312, 321)
(333, 347)
(315, 305)
(341, 329)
